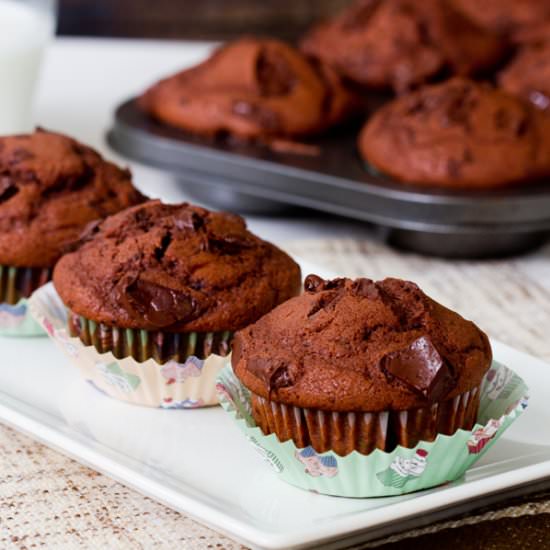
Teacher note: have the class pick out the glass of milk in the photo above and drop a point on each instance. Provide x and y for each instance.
(26, 26)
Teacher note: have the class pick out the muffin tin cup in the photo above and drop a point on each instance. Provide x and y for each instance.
(503, 396)
(16, 285)
(186, 384)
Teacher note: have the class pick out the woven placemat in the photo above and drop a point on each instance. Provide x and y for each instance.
(50, 501)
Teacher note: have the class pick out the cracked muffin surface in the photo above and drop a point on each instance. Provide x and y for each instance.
(176, 268)
(461, 134)
(361, 345)
(51, 187)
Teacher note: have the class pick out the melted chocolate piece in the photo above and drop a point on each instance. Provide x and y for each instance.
(275, 374)
(165, 242)
(159, 306)
(334, 284)
(313, 283)
(421, 368)
(8, 189)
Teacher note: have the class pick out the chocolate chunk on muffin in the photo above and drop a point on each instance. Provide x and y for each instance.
(358, 365)
(171, 270)
(528, 74)
(458, 134)
(251, 89)
(400, 44)
(51, 188)
(504, 16)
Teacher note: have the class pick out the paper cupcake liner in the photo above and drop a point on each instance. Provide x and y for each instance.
(173, 385)
(142, 344)
(16, 285)
(344, 432)
(503, 396)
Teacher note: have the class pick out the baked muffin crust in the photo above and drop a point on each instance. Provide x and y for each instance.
(359, 345)
(460, 134)
(400, 44)
(51, 187)
(250, 89)
(179, 268)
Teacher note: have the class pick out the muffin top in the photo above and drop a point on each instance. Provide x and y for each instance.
(528, 74)
(458, 134)
(360, 345)
(402, 43)
(51, 187)
(251, 88)
(179, 268)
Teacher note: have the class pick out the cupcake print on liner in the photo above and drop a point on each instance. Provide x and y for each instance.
(170, 386)
(380, 473)
(317, 465)
(402, 470)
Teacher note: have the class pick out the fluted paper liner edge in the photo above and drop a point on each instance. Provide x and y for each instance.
(504, 396)
(172, 385)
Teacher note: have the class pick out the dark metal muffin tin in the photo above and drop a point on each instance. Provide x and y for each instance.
(256, 179)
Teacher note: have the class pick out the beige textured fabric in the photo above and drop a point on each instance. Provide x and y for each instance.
(49, 501)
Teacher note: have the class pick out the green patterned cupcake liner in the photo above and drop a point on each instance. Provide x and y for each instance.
(504, 396)
(143, 345)
(16, 285)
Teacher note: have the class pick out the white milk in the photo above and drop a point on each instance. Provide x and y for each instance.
(24, 32)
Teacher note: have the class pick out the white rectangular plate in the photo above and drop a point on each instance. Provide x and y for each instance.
(198, 462)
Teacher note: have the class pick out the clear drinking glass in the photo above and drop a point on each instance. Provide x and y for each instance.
(26, 27)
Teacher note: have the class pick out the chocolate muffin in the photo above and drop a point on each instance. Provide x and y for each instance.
(51, 188)
(528, 74)
(400, 44)
(459, 134)
(359, 365)
(504, 16)
(171, 281)
(251, 89)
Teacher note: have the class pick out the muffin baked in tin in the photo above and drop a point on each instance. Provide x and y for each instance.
(250, 89)
(399, 44)
(458, 134)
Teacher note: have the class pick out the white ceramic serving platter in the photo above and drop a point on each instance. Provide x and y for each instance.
(198, 461)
